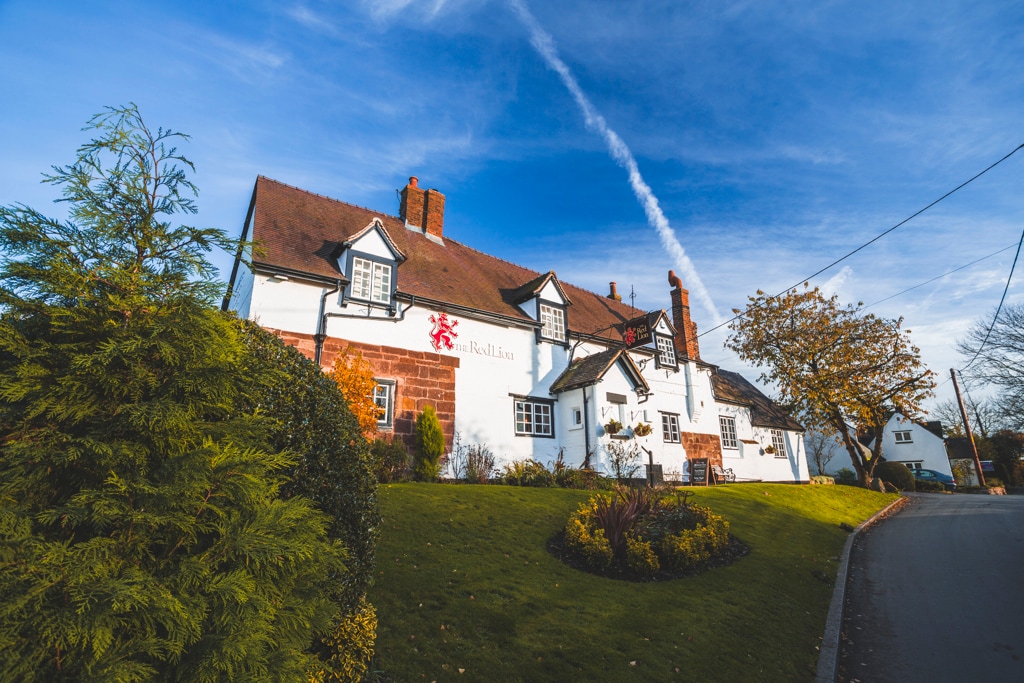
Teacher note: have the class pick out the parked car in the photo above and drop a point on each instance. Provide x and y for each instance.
(931, 475)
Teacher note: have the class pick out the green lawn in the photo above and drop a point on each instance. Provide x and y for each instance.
(466, 590)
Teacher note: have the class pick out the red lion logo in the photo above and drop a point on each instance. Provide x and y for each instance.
(443, 332)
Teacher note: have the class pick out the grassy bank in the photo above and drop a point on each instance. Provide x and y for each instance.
(466, 590)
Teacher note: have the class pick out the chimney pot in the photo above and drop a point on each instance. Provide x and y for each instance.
(413, 181)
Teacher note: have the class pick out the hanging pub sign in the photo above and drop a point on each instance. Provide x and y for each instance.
(637, 332)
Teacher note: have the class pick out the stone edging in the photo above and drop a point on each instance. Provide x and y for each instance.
(828, 658)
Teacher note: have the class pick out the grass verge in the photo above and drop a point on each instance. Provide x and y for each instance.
(467, 591)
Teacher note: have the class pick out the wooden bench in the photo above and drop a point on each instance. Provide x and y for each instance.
(726, 475)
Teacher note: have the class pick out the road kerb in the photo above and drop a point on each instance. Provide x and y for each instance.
(828, 657)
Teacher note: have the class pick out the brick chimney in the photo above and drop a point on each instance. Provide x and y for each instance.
(413, 203)
(613, 293)
(422, 209)
(686, 329)
(434, 223)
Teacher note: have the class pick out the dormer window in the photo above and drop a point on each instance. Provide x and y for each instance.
(666, 351)
(552, 319)
(371, 280)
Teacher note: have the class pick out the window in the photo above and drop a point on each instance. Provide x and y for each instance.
(779, 443)
(576, 419)
(727, 425)
(534, 418)
(666, 351)
(670, 428)
(371, 281)
(553, 321)
(384, 397)
(903, 437)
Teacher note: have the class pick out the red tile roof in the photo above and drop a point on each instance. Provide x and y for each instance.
(302, 232)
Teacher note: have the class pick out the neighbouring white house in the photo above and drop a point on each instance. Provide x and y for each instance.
(510, 358)
(918, 445)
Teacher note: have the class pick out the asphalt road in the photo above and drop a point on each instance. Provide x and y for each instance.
(936, 593)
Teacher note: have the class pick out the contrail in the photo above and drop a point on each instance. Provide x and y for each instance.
(544, 44)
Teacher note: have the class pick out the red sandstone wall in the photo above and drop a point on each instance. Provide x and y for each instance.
(702, 446)
(422, 378)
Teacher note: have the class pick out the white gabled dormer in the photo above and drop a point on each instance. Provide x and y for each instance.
(655, 332)
(369, 260)
(544, 300)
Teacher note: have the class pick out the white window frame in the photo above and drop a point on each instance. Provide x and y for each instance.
(670, 428)
(727, 432)
(904, 436)
(575, 418)
(384, 397)
(371, 280)
(779, 443)
(666, 351)
(552, 320)
(534, 418)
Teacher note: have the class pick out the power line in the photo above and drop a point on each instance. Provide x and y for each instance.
(880, 235)
(1000, 307)
(939, 277)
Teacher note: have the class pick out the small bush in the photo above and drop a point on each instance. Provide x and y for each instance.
(587, 542)
(473, 463)
(638, 533)
(822, 479)
(641, 558)
(846, 477)
(895, 474)
(390, 460)
(624, 460)
(930, 486)
(346, 653)
(527, 473)
(429, 446)
(993, 482)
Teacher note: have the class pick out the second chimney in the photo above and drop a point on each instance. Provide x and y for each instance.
(613, 293)
(422, 209)
(686, 329)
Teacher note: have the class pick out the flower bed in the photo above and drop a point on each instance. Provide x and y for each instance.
(643, 535)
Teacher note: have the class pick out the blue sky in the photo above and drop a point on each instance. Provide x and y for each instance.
(774, 136)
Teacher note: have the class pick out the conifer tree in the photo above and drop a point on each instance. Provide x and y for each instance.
(429, 445)
(142, 534)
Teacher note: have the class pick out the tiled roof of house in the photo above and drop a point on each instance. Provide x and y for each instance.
(732, 387)
(301, 231)
(583, 372)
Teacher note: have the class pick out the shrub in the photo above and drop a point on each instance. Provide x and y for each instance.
(641, 533)
(587, 542)
(618, 513)
(345, 654)
(429, 445)
(896, 474)
(846, 477)
(527, 473)
(993, 482)
(822, 479)
(473, 463)
(930, 486)
(624, 460)
(641, 558)
(390, 460)
(306, 414)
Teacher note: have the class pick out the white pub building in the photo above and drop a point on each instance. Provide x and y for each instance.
(512, 359)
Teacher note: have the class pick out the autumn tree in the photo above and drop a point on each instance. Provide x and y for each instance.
(142, 531)
(354, 376)
(844, 370)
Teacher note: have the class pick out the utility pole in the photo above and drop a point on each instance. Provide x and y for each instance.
(967, 427)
